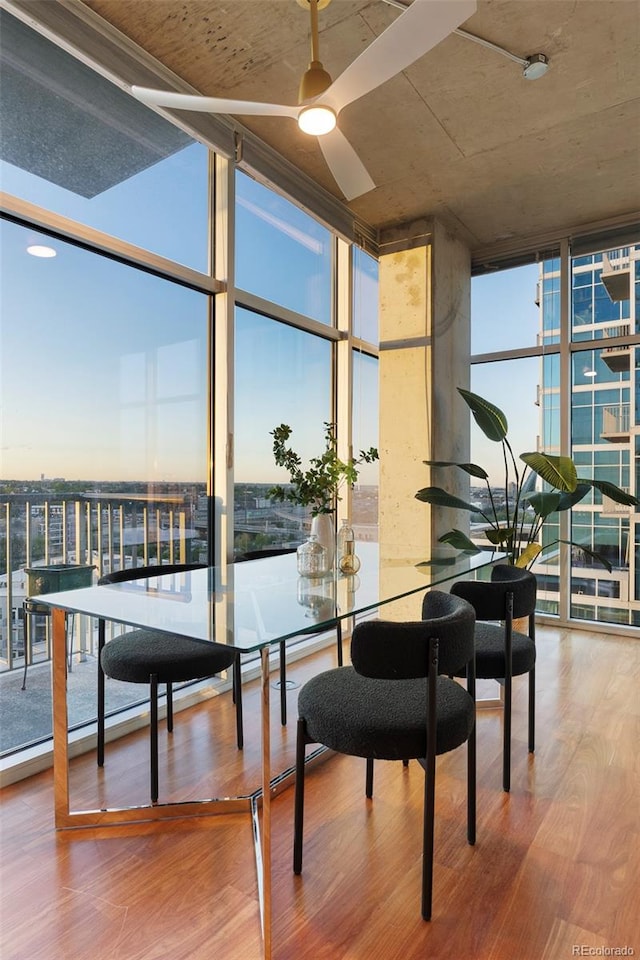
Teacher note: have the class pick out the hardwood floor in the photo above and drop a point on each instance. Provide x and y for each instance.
(554, 872)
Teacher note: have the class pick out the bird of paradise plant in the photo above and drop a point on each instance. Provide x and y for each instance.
(518, 533)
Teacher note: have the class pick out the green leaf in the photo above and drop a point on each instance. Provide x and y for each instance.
(559, 472)
(544, 504)
(568, 500)
(498, 535)
(489, 418)
(440, 498)
(614, 493)
(471, 468)
(460, 541)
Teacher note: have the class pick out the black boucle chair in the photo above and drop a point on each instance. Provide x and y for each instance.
(501, 652)
(391, 704)
(149, 656)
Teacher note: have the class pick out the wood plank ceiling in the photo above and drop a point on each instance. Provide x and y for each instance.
(460, 135)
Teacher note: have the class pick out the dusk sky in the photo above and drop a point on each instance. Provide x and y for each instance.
(89, 345)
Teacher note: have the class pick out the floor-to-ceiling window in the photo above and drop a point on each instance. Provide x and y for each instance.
(365, 393)
(542, 356)
(109, 369)
(282, 375)
(604, 427)
(288, 281)
(284, 363)
(106, 308)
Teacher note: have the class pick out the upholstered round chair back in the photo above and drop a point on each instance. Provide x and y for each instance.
(488, 598)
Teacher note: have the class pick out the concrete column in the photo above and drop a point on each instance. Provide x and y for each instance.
(424, 357)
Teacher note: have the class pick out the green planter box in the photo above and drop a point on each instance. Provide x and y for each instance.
(58, 576)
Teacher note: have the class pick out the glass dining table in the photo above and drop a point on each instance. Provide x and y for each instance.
(252, 606)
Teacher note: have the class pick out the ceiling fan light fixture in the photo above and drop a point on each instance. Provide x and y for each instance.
(317, 120)
(535, 67)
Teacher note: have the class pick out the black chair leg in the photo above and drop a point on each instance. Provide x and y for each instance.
(369, 778)
(506, 748)
(532, 710)
(237, 690)
(429, 764)
(471, 763)
(339, 641)
(298, 817)
(283, 683)
(154, 736)
(428, 835)
(170, 707)
(101, 704)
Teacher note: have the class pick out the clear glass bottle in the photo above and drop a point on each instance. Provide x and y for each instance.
(312, 558)
(345, 536)
(348, 562)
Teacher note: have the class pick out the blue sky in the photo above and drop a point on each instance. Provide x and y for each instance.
(89, 345)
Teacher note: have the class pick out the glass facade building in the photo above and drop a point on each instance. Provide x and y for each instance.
(604, 426)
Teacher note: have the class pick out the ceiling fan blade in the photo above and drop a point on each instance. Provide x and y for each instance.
(423, 25)
(190, 101)
(347, 168)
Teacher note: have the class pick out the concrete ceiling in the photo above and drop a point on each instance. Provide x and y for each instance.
(460, 135)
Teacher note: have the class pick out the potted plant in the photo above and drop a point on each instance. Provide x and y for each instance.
(517, 528)
(318, 486)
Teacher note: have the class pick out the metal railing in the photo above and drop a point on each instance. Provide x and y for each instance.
(105, 533)
(616, 420)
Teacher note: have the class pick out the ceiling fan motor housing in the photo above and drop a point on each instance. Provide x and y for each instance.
(314, 82)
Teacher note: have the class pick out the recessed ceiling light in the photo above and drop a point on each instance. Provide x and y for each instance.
(39, 250)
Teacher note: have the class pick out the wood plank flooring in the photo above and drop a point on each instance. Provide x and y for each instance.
(554, 872)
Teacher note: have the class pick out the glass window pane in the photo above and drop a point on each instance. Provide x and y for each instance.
(526, 391)
(365, 296)
(515, 386)
(102, 343)
(282, 375)
(102, 159)
(364, 513)
(282, 254)
(601, 294)
(104, 390)
(504, 309)
(602, 433)
(604, 416)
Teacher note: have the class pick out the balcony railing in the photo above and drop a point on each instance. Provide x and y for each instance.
(617, 358)
(616, 421)
(107, 534)
(610, 508)
(616, 275)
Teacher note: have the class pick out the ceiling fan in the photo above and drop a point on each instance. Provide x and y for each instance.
(423, 25)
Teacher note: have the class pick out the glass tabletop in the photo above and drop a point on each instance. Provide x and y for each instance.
(253, 604)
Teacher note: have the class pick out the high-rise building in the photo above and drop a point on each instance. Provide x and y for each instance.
(604, 314)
